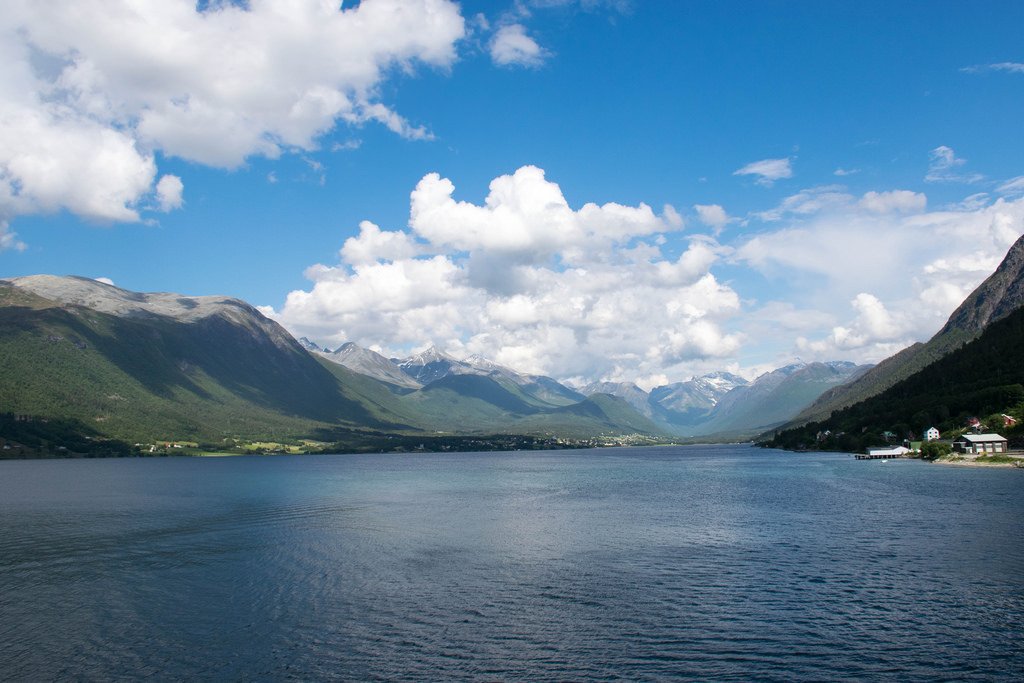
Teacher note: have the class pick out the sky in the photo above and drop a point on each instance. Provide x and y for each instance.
(620, 190)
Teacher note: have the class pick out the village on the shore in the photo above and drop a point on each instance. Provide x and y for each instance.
(964, 445)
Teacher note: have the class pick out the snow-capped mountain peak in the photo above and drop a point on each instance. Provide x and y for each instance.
(365, 362)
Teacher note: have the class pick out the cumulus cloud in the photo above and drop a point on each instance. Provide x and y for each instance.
(524, 213)
(527, 280)
(372, 244)
(104, 280)
(896, 200)
(511, 46)
(50, 162)
(944, 167)
(92, 89)
(767, 170)
(873, 328)
(712, 215)
(169, 193)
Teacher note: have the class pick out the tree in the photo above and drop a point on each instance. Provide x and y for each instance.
(931, 450)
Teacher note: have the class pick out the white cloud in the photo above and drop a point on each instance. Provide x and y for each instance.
(895, 200)
(510, 46)
(524, 214)
(874, 331)
(767, 170)
(1009, 67)
(712, 215)
(169, 193)
(841, 172)
(373, 245)
(1014, 187)
(391, 120)
(815, 201)
(672, 217)
(50, 162)
(917, 266)
(943, 167)
(972, 202)
(1012, 67)
(104, 280)
(806, 202)
(9, 239)
(527, 280)
(91, 89)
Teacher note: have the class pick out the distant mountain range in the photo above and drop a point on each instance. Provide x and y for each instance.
(724, 405)
(144, 367)
(718, 404)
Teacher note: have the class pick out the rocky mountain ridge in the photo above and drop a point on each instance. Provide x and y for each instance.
(718, 403)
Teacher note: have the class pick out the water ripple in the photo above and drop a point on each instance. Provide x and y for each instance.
(725, 564)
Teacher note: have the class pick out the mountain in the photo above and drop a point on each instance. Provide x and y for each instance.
(983, 378)
(699, 392)
(774, 397)
(689, 403)
(627, 391)
(433, 364)
(998, 296)
(94, 360)
(166, 366)
(541, 388)
(597, 415)
(724, 405)
(365, 362)
(428, 366)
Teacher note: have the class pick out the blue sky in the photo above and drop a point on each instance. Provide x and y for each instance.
(235, 151)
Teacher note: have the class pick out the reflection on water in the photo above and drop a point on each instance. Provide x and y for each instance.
(641, 564)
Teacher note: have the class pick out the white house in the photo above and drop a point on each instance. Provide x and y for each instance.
(980, 444)
(931, 434)
(887, 452)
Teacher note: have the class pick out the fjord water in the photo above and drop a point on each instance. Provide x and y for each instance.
(696, 562)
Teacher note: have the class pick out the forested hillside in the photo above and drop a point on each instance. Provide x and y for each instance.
(982, 379)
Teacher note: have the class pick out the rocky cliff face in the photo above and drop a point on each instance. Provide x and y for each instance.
(999, 295)
(366, 362)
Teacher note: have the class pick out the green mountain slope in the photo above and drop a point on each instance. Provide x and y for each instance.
(160, 378)
(598, 414)
(983, 377)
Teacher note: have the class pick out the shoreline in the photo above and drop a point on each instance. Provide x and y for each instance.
(974, 463)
